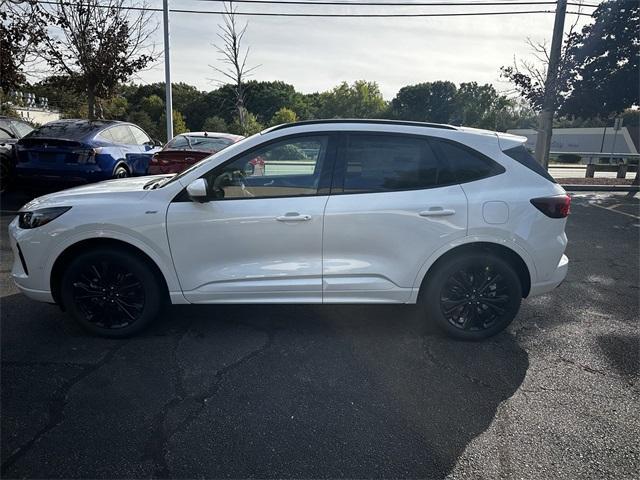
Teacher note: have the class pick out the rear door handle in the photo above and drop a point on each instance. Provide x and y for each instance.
(293, 217)
(437, 212)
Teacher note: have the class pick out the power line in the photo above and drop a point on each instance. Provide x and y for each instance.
(357, 3)
(330, 15)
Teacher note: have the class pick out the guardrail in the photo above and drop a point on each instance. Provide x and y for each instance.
(626, 162)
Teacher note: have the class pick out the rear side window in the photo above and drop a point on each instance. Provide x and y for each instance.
(522, 156)
(121, 134)
(462, 164)
(382, 163)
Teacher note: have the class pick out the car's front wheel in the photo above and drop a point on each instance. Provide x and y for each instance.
(473, 295)
(110, 292)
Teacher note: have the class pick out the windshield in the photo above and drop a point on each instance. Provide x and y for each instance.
(204, 144)
(201, 162)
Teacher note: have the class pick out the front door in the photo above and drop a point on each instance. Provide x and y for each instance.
(259, 236)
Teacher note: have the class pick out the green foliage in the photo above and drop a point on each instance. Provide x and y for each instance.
(362, 99)
(284, 115)
(214, 124)
(286, 152)
(425, 102)
(606, 58)
(153, 105)
(252, 125)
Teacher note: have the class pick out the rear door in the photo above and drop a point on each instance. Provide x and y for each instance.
(388, 213)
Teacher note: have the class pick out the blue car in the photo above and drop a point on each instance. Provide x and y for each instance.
(81, 151)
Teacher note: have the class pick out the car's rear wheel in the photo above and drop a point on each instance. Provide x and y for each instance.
(111, 292)
(472, 296)
(120, 172)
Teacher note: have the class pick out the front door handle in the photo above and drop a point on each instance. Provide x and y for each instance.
(293, 217)
(437, 212)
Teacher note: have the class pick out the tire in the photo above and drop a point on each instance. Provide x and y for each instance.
(472, 296)
(111, 292)
(120, 172)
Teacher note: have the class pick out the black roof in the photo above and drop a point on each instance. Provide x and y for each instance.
(365, 121)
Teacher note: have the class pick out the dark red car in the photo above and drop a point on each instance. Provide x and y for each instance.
(188, 148)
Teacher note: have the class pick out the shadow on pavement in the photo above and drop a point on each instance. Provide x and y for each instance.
(247, 391)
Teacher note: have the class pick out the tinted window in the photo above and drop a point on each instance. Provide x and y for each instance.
(139, 136)
(69, 130)
(522, 155)
(288, 168)
(462, 164)
(21, 128)
(380, 163)
(122, 134)
(203, 144)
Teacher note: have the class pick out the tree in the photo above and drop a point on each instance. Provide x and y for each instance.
(284, 115)
(97, 44)
(426, 102)
(480, 106)
(251, 125)
(605, 59)
(236, 60)
(264, 99)
(18, 42)
(362, 99)
(214, 124)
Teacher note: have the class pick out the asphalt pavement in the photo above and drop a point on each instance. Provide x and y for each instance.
(338, 391)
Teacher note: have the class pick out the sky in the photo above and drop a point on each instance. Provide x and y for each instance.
(315, 54)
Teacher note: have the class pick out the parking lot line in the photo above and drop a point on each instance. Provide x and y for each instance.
(612, 208)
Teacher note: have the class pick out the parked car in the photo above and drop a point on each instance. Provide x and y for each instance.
(80, 151)
(11, 130)
(462, 221)
(188, 148)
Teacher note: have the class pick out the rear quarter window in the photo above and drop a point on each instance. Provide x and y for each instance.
(461, 164)
(523, 157)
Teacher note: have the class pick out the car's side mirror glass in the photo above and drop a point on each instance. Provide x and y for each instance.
(197, 190)
(156, 143)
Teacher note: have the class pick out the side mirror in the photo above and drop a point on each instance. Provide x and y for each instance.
(156, 143)
(197, 190)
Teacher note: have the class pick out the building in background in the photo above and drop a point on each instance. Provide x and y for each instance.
(580, 140)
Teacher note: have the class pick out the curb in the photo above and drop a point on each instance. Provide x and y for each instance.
(601, 188)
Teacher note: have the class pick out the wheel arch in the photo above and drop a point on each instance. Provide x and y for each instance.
(515, 259)
(67, 255)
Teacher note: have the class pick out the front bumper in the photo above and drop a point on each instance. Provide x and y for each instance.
(30, 280)
(555, 280)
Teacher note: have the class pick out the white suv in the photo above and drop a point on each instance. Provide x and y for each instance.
(462, 221)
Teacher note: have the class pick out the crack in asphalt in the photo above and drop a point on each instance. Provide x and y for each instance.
(57, 404)
(160, 438)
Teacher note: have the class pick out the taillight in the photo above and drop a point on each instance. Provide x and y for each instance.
(85, 155)
(554, 207)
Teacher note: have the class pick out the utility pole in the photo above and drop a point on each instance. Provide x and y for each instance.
(545, 119)
(168, 101)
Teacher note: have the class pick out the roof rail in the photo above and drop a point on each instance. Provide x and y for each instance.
(360, 120)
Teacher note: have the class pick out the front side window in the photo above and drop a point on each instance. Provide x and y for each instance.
(121, 134)
(290, 167)
(382, 163)
(139, 136)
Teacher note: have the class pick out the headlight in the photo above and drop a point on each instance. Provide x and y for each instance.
(42, 216)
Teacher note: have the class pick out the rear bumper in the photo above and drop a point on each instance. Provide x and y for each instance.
(41, 176)
(555, 280)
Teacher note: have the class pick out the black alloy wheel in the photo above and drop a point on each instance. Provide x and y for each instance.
(473, 296)
(110, 292)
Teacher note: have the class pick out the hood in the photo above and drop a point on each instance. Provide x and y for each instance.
(132, 187)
